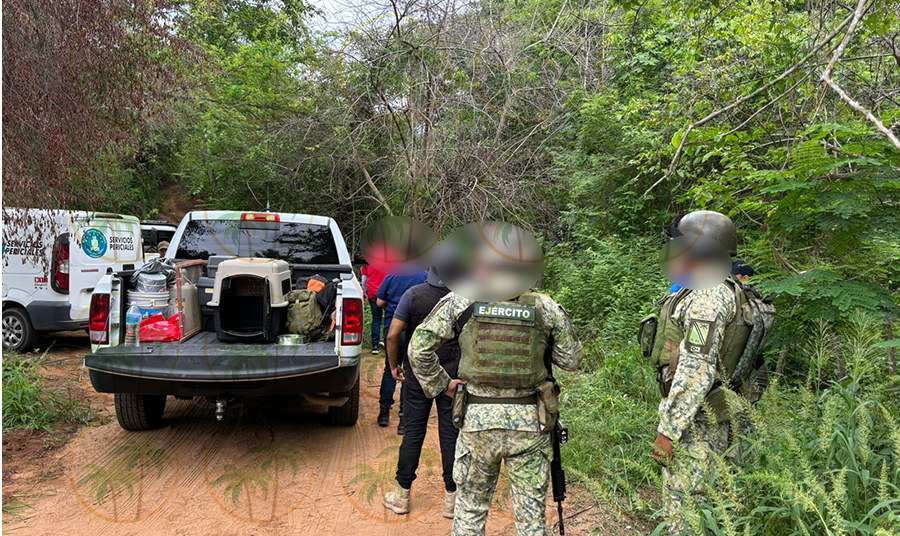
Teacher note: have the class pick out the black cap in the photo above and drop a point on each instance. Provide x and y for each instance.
(434, 279)
(740, 267)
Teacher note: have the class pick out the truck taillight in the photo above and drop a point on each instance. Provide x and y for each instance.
(352, 323)
(60, 264)
(99, 319)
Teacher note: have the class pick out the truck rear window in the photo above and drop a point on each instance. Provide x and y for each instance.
(296, 243)
(165, 236)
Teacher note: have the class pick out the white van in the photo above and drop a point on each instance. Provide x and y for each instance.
(52, 259)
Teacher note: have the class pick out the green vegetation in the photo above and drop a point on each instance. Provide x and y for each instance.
(15, 507)
(817, 459)
(29, 404)
(18, 504)
(592, 123)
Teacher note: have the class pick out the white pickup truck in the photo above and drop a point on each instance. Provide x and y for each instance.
(225, 373)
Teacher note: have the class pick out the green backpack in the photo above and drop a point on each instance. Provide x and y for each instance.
(304, 315)
(744, 339)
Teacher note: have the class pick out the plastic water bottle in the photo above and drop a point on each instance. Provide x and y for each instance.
(132, 326)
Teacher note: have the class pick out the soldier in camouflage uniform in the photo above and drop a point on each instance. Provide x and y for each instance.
(702, 316)
(500, 423)
(681, 416)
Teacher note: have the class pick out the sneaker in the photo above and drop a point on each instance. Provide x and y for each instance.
(397, 501)
(381, 345)
(384, 416)
(401, 427)
(375, 350)
(449, 504)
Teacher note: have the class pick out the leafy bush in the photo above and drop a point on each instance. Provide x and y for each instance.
(823, 463)
(26, 402)
(818, 460)
(611, 414)
(819, 457)
(606, 286)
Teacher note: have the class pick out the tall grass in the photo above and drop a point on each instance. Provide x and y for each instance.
(820, 459)
(817, 460)
(27, 401)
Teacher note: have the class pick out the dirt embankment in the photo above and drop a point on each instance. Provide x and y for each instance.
(176, 202)
(273, 466)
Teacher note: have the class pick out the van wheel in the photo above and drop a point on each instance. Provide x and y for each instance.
(139, 412)
(18, 333)
(347, 414)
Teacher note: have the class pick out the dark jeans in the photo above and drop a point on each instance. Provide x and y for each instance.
(388, 384)
(417, 407)
(379, 328)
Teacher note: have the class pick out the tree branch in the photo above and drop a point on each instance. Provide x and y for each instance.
(365, 172)
(744, 99)
(829, 81)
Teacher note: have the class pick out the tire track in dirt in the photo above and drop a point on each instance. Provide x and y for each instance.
(311, 500)
(170, 440)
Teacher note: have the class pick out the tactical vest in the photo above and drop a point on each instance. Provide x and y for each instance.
(744, 338)
(503, 344)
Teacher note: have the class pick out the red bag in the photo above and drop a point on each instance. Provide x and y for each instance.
(158, 317)
(163, 331)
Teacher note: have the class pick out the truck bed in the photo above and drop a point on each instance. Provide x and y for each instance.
(202, 365)
(204, 358)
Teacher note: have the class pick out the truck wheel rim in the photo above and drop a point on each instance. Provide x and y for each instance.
(12, 332)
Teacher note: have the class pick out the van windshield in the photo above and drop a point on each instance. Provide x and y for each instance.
(296, 243)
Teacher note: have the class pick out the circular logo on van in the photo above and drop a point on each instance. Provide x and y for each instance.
(93, 243)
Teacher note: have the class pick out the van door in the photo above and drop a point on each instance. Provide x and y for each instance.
(100, 243)
(28, 237)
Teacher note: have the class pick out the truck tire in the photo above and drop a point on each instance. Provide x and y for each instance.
(18, 333)
(347, 414)
(139, 412)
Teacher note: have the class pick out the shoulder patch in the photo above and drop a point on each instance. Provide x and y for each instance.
(699, 335)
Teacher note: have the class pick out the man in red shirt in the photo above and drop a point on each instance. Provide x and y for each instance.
(371, 280)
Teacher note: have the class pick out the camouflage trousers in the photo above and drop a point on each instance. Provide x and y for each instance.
(700, 449)
(476, 470)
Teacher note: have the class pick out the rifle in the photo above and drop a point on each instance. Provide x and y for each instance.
(557, 474)
(559, 436)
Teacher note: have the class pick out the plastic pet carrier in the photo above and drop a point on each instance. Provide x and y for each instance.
(205, 287)
(249, 300)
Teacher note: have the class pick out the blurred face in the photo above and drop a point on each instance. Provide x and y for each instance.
(398, 245)
(162, 251)
(492, 261)
(487, 265)
(682, 266)
(693, 267)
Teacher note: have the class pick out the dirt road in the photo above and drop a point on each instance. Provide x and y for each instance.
(273, 466)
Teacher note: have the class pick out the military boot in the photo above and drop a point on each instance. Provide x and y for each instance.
(397, 501)
(449, 503)
(384, 416)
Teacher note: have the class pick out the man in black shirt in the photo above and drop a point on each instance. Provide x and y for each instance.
(414, 306)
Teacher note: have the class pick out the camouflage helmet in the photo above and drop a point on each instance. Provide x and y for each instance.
(706, 230)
